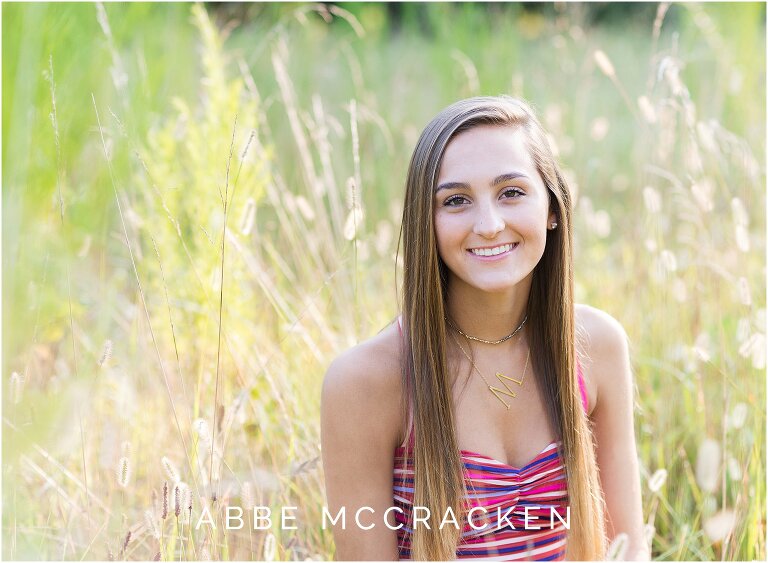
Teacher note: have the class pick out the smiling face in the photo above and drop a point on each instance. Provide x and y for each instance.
(491, 209)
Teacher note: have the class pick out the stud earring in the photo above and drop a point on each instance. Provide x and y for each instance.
(552, 226)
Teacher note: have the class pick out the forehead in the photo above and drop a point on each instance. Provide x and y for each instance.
(485, 152)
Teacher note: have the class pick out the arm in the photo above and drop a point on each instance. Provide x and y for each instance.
(360, 423)
(613, 427)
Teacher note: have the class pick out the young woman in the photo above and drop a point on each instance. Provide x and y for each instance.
(493, 417)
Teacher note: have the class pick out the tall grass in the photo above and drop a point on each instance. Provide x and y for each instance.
(224, 196)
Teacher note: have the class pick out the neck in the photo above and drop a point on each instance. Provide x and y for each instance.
(490, 316)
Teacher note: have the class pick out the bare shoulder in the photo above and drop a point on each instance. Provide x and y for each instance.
(603, 351)
(597, 330)
(360, 425)
(372, 365)
(364, 381)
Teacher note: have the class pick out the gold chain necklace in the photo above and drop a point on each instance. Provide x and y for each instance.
(497, 392)
(507, 337)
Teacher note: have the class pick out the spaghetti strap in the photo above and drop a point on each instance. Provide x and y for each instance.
(582, 387)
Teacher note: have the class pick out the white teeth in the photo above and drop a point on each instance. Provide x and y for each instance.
(491, 251)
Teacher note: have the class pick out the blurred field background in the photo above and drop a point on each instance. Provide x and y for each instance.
(201, 208)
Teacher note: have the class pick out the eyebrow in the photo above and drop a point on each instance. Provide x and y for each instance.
(497, 180)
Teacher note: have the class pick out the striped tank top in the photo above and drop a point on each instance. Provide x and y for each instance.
(506, 503)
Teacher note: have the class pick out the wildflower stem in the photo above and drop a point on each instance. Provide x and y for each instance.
(221, 311)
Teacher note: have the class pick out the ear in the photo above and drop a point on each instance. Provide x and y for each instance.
(552, 215)
(551, 219)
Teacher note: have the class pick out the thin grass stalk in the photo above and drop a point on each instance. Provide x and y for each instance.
(59, 173)
(140, 289)
(308, 168)
(355, 270)
(178, 361)
(93, 540)
(357, 201)
(273, 293)
(601, 58)
(257, 370)
(290, 227)
(324, 152)
(224, 335)
(14, 413)
(43, 453)
(661, 12)
(289, 99)
(62, 494)
(291, 230)
(209, 303)
(173, 329)
(297, 235)
(225, 203)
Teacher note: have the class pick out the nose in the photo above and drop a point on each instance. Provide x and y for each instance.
(488, 222)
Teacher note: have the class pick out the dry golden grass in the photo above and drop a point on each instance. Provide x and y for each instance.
(254, 238)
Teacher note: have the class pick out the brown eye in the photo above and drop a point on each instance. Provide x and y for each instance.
(516, 191)
(452, 201)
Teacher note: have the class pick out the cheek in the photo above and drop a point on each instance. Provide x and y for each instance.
(440, 238)
(446, 234)
(536, 222)
(442, 228)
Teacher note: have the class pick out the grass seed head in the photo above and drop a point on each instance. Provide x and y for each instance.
(740, 216)
(668, 261)
(165, 501)
(604, 63)
(647, 109)
(742, 330)
(17, 386)
(742, 238)
(720, 526)
(618, 549)
(745, 296)
(734, 469)
(649, 531)
(738, 416)
(270, 547)
(181, 500)
(703, 192)
(657, 480)
(247, 496)
(177, 500)
(203, 431)
(106, 355)
(123, 472)
(170, 470)
(249, 217)
(708, 465)
(151, 521)
(652, 200)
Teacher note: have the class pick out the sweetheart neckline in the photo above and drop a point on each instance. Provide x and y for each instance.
(506, 465)
(469, 453)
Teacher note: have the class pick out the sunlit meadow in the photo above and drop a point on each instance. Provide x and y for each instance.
(201, 208)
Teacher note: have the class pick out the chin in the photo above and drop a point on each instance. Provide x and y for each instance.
(495, 287)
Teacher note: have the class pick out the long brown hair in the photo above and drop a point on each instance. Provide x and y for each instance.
(438, 470)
